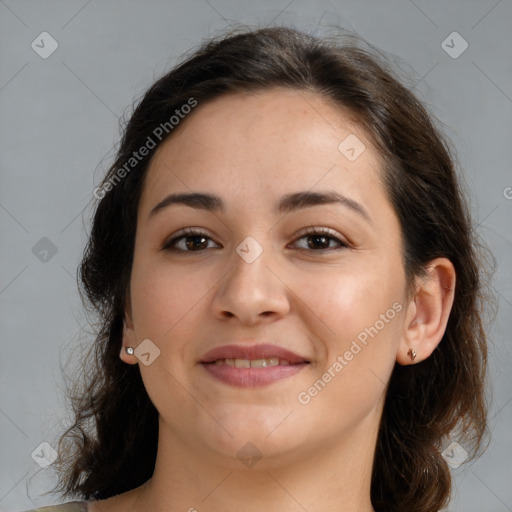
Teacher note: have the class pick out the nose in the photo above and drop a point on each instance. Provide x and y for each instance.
(251, 292)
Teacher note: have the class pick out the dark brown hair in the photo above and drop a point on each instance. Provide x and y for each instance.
(111, 447)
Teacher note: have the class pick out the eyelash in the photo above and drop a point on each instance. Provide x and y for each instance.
(190, 232)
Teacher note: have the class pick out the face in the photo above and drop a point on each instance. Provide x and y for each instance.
(320, 278)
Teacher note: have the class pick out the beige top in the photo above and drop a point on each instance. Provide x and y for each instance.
(72, 506)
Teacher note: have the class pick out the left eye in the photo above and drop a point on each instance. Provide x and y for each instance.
(321, 237)
(196, 241)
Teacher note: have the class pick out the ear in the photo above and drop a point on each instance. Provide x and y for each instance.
(129, 337)
(428, 311)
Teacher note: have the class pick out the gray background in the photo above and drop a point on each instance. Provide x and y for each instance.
(60, 123)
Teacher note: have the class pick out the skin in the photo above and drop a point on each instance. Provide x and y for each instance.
(251, 149)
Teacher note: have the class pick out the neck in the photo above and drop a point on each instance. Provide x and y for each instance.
(333, 478)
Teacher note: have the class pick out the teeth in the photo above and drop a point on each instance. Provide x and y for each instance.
(261, 363)
(255, 363)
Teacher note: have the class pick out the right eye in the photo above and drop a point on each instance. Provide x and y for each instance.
(189, 239)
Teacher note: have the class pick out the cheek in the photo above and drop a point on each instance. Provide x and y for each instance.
(167, 306)
(358, 333)
(360, 353)
(347, 302)
(165, 297)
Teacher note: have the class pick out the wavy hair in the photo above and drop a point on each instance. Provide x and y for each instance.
(112, 444)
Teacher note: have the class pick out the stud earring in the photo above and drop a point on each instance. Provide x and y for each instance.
(129, 350)
(412, 354)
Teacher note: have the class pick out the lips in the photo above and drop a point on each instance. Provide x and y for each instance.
(252, 365)
(252, 353)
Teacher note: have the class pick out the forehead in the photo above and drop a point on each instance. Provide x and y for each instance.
(265, 143)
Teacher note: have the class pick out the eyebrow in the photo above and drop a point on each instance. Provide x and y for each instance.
(288, 203)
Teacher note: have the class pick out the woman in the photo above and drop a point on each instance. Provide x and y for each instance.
(288, 289)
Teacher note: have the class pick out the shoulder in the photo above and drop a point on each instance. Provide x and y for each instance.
(72, 506)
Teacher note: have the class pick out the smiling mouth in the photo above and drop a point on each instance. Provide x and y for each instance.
(250, 373)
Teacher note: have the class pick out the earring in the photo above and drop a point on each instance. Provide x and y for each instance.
(412, 354)
(129, 350)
